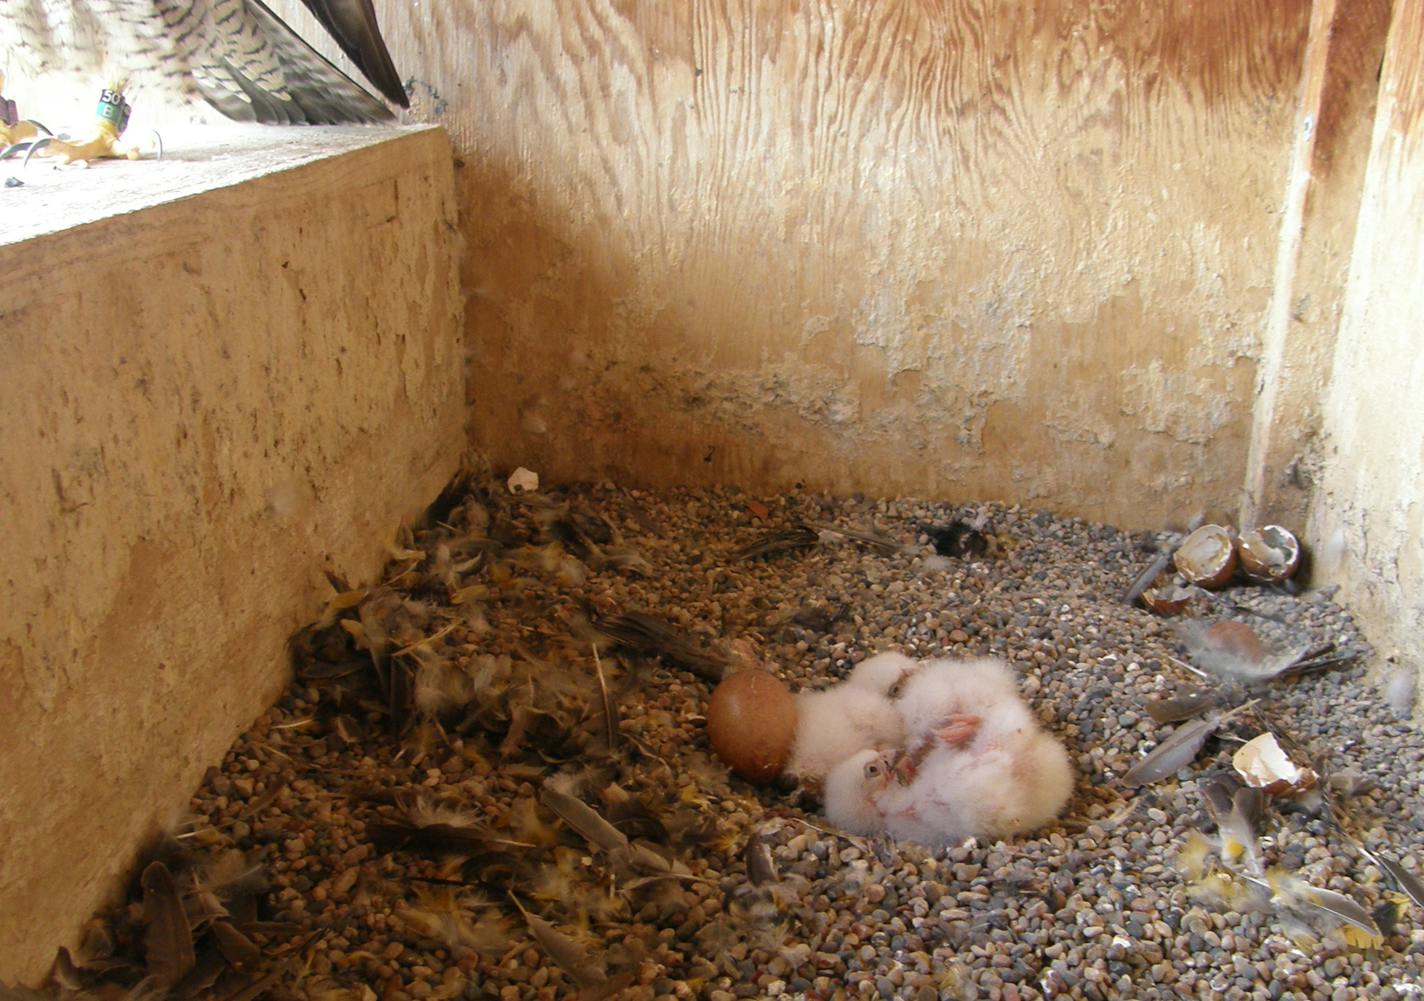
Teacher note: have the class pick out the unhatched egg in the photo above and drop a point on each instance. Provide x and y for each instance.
(751, 721)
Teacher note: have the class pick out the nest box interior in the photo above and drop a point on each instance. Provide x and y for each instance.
(1121, 262)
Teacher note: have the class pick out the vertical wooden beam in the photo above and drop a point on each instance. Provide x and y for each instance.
(1322, 196)
(1367, 518)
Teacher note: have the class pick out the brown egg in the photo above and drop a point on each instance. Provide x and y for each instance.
(751, 721)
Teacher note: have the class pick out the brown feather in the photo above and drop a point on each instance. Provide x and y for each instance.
(240, 951)
(1185, 705)
(1176, 752)
(570, 957)
(167, 939)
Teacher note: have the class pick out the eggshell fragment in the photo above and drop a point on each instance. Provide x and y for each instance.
(1270, 553)
(1262, 763)
(751, 721)
(1207, 557)
(1168, 595)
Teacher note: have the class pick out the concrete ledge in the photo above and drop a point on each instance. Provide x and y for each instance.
(222, 374)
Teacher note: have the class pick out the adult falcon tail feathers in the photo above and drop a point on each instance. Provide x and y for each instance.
(237, 55)
(352, 23)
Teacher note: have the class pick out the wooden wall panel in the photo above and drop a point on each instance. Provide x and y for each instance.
(1367, 515)
(1326, 172)
(955, 248)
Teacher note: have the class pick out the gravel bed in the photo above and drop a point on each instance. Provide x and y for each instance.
(382, 832)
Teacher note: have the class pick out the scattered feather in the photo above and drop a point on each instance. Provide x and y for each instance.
(1143, 581)
(1316, 904)
(167, 940)
(567, 954)
(776, 542)
(1185, 705)
(240, 951)
(1401, 688)
(583, 819)
(880, 543)
(1402, 877)
(1389, 912)
(1222, 654)
(651, 636)
(761, 867)
(1237, 829)
(1177, 751)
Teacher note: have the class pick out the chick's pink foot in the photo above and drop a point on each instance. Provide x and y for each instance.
(958, 730)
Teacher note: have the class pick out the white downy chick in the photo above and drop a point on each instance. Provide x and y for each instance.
(977, 761)
(945, 691)
(885, 673)
(852, 788)
(992, 788)
(860, 712)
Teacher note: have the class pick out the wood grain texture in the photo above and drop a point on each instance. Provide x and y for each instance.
(208, 402)
(949, 247)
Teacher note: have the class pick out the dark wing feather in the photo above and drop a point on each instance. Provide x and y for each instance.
(353, 24)
(309, 89)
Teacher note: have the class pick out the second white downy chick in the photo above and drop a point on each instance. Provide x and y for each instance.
(860, 712)
(977, 763)
(990, 788)
(969, 693)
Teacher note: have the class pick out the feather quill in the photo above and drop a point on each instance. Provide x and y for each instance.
(610, 718)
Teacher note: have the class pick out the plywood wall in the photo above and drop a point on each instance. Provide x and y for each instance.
(196, 428)
(1326, 170)
(1368, 516)
(962, 249)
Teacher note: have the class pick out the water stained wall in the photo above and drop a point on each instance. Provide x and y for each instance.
(1018, 251)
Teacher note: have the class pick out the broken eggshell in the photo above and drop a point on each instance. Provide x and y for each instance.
(1262, 763)
(1169, 594)
(1207, 557)
(751, 721)
(1269, 554)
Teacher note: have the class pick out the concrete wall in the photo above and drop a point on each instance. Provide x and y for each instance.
(205, 404)
(972, 249)
(1367, 519)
